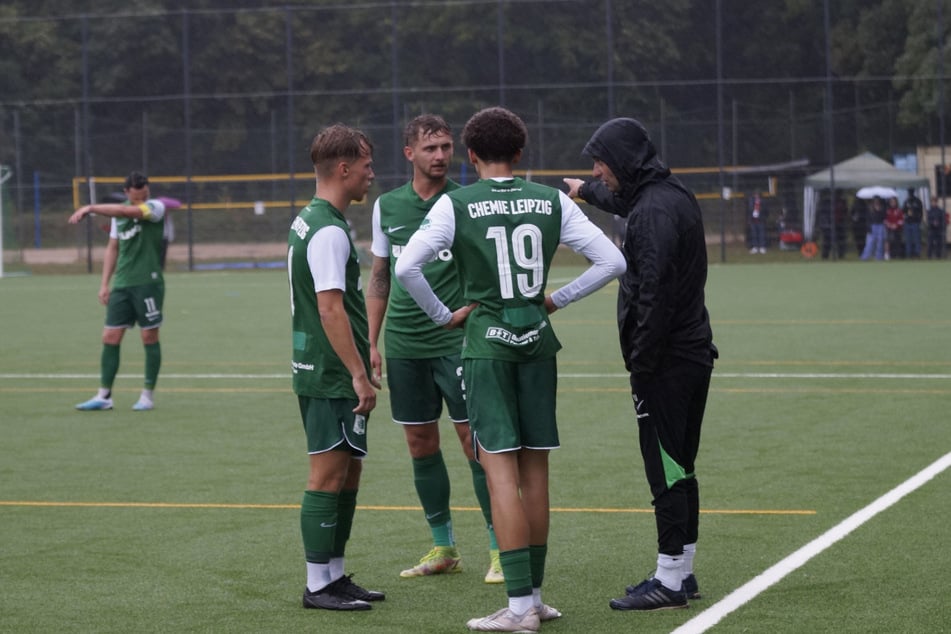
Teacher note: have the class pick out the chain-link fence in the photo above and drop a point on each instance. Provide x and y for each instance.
(205, 100)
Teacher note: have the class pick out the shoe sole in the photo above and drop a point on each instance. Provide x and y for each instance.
(349, 606)
(473, 626)
(620, 606)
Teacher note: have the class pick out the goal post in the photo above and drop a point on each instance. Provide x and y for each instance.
(216, 216)
(5, 174)
(216, 191)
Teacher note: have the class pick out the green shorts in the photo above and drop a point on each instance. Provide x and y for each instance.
(135, 304)
(418, 388)
(512, 405)
(331, 424)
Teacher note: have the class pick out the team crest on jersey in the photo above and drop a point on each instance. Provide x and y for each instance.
(359, 424)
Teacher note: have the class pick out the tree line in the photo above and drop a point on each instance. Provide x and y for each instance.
(240, 86)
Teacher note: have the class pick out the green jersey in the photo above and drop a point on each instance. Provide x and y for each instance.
(321, 256)
(409, 332)
(140, 246)
(506, 234)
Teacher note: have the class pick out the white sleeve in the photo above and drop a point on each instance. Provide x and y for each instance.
(113, 229)
(380, 244)
(156, 210)
(327, 255)
(435, 234)
(584, 237)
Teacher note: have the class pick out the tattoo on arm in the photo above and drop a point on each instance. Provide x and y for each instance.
(379, 282)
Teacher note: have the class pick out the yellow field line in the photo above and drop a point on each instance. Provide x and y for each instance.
(369, 507)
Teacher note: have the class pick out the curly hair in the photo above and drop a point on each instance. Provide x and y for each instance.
(496, 135)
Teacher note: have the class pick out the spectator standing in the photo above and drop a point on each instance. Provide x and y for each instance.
(875, 239)
(503, 232)
(757, 217)
(858, 215)
(331, 363)
(914, 213)
(894, 220)
(666, 341)
(423, 364)
(132, 287)
(936, 230)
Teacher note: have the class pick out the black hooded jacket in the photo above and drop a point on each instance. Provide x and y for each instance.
(661, 312)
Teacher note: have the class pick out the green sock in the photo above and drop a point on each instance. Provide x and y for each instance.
(537, 556)
(346, 507)
(318, 525)
(517, 568)
(153, 361)
(482, 494)
(432, 485)
(109, 365)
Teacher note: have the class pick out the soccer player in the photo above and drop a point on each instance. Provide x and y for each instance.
(503, 232)
(132, 263)
(331, 363)
(423, 361)
(666, 340)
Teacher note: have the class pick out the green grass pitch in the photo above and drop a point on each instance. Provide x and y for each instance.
(832, 388)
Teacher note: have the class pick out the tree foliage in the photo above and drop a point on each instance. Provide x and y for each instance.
(250, 68)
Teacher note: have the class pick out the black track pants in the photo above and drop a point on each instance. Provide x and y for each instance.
(669, 405)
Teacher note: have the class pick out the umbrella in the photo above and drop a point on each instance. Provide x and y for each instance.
(170, 203)
(872, 192)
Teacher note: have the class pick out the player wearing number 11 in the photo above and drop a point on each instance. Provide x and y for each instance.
(503, 232)
(132, 266)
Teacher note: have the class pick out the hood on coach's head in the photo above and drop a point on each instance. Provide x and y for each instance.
(624, 145)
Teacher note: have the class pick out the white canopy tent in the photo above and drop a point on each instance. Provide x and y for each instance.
(859, 171)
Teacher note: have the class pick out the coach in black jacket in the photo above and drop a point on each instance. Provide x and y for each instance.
(666, 340)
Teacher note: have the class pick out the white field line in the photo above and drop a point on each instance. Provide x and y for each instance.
(748, 591)
(566, 375)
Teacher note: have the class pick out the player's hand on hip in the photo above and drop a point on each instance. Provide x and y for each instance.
(459, 316)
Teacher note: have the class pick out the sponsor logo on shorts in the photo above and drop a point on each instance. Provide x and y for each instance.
(359, 424)
(510, 338)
